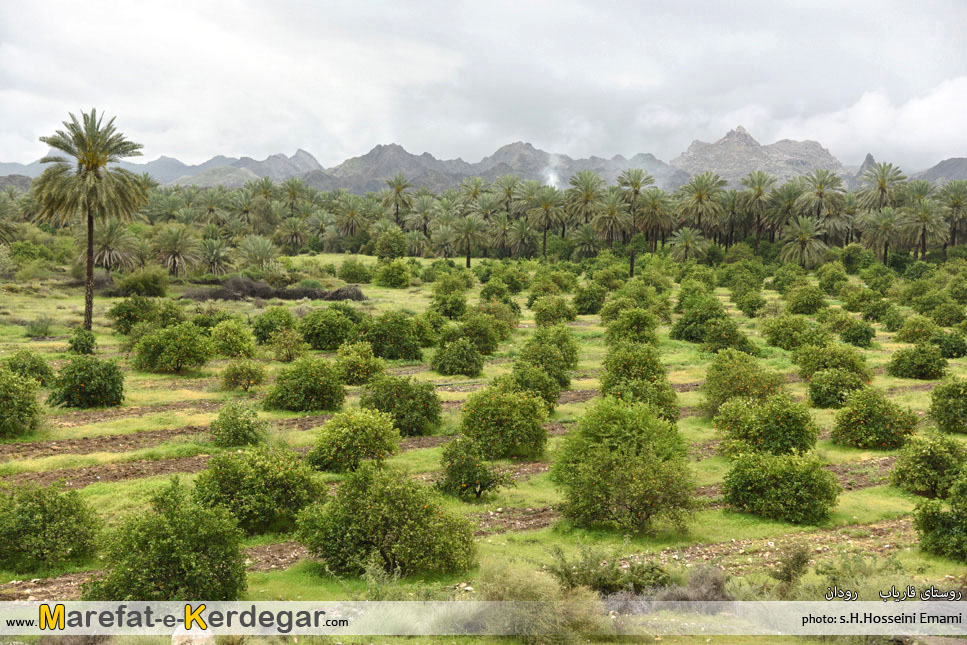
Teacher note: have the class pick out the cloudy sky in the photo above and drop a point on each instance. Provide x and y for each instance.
(193, 79)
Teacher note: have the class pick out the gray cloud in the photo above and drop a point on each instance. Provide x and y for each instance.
(192, 79)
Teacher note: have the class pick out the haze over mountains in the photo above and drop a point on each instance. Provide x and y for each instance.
(733, 156)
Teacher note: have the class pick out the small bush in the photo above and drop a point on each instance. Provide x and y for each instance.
(631, 361)
(530, 379)
(951, 345)
(264, 488)
(384, 507)
(466, 471)
(20, 413)
(479, 329)
(354, 271)
(624, 467)
(238, 425)
(357, 364)
(81, 342)
(916, 329)
(634, 325)
(150, 281)
(948, 405)
(733, 373)
(270, 321)
(929, 465)
(606, 572)
(394, 275)
(858, 333)
(450, 305)
(458, 357)
(178, 550)
(414, 406)
(243, 375)
(869, 420)
(352, 436)
(505, 424)
(287, 345)
(724, 333)
(786, 276)
(893, 320)
(173, 349)
(806, 299)
(590, 298)
(948, 314)
(749, 302)
(327, 329)
(232, 339)
(552, 310)
(832, 276)
(86, 382)
(923, 362)
(791, 332)
(554, 350)
(813, 359)
(699, 311)
(781, 487)
(39, 327)
(30, 365)
(778, 426)
(44, 527)
(393, 336)
(830, 388)
(877, 310)
(308, 384)
(131, 311)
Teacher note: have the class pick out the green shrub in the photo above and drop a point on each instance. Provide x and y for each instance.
(813, 359)
(178, 550)
(554, 350)
(238, 425)
(733, 373)
(43, 527)
(30, 365)
(287, 345)
(589, 298)
(606, 572)
(393, 336)
(893, 320)
(630, 361)
(923, 362)
(857, 333)
(854, 257)
(272, 320)
(916, 329)
(357, 364)
(786, 276)
(327, 329)
(81, 341)
(354, 271)
(941, 529)
(129, 312)
(948, 405)
(380, 506)
(306, 385)
(634, 325)
(458, 357)
(857, 298)
(778, 426)
(495, 289)
(781, 487)
(466, 471)
(624, 467)
(40, 327)
(263, 487)
(173, 349)
(830, 388)
(390, 244)
(243, 375)
(231, 338)
(749, 302)
(451, 305)
(614, 305)
(951, 345)
(660, 395)
(831, 277)
(877, 310)
(699, 311)
(533, 380)
(790, 332)
(504, 315)
(394, 275)
(20, 412)
(505, 424)
(552, 310)
(150, 281)
(869, 420)
(928, 465)
(479, 329)
(948, 314)
(724, 333)
(85, 382)
(352, 436)
(415, 406)
(806, 299)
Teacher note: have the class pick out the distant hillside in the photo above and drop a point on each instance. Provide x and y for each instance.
(227, 176)
(946, 171)
(20, 182)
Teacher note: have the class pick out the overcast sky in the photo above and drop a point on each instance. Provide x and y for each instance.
(254, 77)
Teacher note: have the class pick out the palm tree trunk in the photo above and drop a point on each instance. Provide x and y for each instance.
(923, 243)
(632, 259)
(544, 244)
(89, 283)
(468, 256)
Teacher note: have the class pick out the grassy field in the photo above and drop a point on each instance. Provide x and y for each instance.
(143, 445)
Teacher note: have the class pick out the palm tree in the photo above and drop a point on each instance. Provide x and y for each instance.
(442, 239)
(755, 198)
(521, 238)
(883, 182)
(547, 211)
(924, 220)
(782, 206)
(397, 198)
(177, 248)
(699, 199)
(803, 245)
(257, 251)
(632, 181)
(469, 232)
(823, 193)
(612, 217)
(500, 227)
(416, 243)
(687, 242)
(505, 187)
(424, 209)
(918, 191)
(657, 215)
(469, 192)
(91, 184)
(113, 244)
(585, 196)
(8, 209)
(293, 190)
(215, 255)
(350, 215)
(953, 196)
(586, 242)
(880, 229)
(292, 234)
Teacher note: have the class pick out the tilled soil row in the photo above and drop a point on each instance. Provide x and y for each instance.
(85, 417)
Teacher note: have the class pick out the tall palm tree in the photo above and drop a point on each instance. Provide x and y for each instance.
(548, 210)
(500, 227)
(880, 229)
(398, 198)
(293, 191)
(469, 192)
(423, 211)
(585, 196)
(506, 187)
(687, 242)
(883, 182)
(803, 244)
(700, 199)
(782, 206)
(586, 241)
(177, 248)
(918, 191)
(612, 217)
(953, 197)
(351, 215)
(215, 256)
(469, 232)
(823, 194)
(8, 210)
(257, 251)
(522, 238)
(91, 184)
(922, 221)
(292, 234)
(113, 244)
(754, 199)
(632, 181)
(656, 215)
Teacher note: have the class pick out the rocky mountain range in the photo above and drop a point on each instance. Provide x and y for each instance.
(733, 156)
